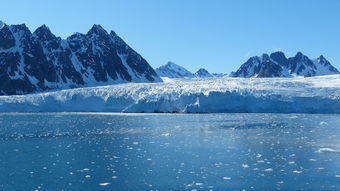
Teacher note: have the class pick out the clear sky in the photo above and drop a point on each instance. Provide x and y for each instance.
(218, 35)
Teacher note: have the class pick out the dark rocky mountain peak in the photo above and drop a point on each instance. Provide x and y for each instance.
(98, 30)
(44, 33)
(279, 57)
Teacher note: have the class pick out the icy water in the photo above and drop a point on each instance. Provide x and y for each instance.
(102, 151)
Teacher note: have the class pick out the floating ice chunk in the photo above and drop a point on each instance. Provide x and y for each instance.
(245, 166)
(199, 184)
(104, 184)
(114, 177)
(135, 143)
(326, 150)
(87, 176)
(268, 169)
(337, 176)
(291, 162)
(226, 178)
(323, 123)
(85, 169)
(297, 171)
(166, 134)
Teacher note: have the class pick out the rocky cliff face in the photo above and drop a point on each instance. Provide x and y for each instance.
(38, 61)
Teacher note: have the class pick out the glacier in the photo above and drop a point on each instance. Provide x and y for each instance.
(197, 95)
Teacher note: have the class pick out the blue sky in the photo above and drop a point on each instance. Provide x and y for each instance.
(218, 35)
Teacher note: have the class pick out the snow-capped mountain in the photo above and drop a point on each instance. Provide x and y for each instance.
(32, 62)
(277, 65)
(203, 73)
(172, 70)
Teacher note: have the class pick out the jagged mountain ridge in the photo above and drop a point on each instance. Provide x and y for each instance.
(278, 65)
(33, 62)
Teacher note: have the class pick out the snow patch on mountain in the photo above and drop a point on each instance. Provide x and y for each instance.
(2, 24)
(270, 95)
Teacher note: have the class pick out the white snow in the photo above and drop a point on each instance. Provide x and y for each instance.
(279, 95)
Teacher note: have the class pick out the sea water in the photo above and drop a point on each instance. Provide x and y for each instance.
(107, 151)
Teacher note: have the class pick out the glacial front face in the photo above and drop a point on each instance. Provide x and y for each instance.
(198, 95)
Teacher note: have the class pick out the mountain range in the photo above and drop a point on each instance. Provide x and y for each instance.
(33, 62)
(278, 65)
(39, 61)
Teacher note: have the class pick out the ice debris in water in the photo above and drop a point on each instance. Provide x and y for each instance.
(245, 165)
(104, 184)
(325, 150)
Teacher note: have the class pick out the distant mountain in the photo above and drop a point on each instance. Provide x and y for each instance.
(277, 65)
(32, 62)
(218, 75)
(172, 70)
(203, 73)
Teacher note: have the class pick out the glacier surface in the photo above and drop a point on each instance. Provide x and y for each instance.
(266, 95)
